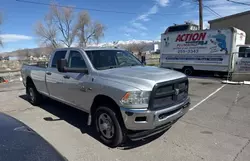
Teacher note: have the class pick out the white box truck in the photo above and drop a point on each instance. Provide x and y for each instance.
(222, 51)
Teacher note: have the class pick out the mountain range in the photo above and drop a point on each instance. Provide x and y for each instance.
(148, 45)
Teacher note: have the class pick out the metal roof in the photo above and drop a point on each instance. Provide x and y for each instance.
(229, 17)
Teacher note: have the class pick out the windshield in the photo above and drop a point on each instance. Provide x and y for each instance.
(106, 59)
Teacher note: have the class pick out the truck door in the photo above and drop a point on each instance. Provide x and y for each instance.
(243, 60)
(77, 85)
(54, 79)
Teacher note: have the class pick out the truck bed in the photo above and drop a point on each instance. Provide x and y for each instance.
(38, 74)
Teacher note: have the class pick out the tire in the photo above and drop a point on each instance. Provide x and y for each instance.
(112, 125)
(34, 97)
(188, 71)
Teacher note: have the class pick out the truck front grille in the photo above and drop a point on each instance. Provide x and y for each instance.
(167, 94)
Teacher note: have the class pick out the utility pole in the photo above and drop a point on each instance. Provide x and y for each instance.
(201, 14)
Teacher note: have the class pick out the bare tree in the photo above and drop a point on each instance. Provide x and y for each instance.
(63, 19)
(59, 28)
(140, 47)
(136, 47)
(88, 31)
(128, 47)
(47, 32)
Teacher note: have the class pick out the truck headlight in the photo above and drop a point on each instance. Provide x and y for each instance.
(135, 98)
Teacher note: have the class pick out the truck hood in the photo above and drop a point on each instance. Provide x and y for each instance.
(141, 77)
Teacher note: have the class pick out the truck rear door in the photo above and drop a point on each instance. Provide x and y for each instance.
(54, 79)
(243, 61)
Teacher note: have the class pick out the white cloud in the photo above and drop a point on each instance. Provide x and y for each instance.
(128, 29)
(151, 11)
(14, 37)
(139, 26)
(136, 24)
(185, 4)
(162, 3)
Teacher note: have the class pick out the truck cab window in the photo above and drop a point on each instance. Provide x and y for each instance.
(76, 60)
(106, 59)
(57, 56)
(244, 52)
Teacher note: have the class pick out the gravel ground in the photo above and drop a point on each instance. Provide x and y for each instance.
(216, 129)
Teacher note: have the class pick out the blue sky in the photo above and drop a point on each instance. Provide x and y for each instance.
(149, 19)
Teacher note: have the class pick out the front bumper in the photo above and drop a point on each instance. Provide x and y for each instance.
(144, 119)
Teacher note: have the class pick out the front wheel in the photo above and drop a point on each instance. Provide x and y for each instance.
(108, 127)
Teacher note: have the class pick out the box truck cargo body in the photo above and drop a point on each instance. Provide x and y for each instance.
(221, 50)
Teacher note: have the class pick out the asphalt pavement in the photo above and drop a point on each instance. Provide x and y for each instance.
(217, 128)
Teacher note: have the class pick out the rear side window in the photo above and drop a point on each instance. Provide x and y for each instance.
(57, 56)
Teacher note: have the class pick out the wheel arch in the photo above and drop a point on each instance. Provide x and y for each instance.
(106, 101)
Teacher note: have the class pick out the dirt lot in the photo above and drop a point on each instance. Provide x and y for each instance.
(217, 128)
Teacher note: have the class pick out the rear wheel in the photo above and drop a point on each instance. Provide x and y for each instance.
(108, 127)
(188, 71)
(34, 97)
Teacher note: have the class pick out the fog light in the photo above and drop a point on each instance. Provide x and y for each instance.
(140, 119)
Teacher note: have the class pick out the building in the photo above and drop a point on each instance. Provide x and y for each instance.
(240, 21)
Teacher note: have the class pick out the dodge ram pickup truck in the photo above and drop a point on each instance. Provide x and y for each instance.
(123, 98)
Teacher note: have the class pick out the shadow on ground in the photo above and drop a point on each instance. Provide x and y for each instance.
(79, 120)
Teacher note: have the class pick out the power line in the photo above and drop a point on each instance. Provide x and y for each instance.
(91, 9)
(212, 11)
(242, 3)
(205, 6)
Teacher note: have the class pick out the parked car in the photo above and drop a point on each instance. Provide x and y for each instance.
(20, 142)
(124, 99)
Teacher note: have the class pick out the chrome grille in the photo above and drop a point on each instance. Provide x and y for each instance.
(167, 94)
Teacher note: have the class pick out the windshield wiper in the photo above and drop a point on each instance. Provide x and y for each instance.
(136, 65)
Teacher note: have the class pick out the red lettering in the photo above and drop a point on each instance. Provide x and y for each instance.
(191, 37)
(195, 36)
(202, 36)
(187, 35)
(182, 37)
(178, 38)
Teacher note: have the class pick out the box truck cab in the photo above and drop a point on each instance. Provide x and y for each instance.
(222, 51)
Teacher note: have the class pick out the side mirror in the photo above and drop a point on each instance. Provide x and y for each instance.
(63, 67)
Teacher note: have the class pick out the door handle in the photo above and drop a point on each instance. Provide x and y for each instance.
(66, 77)
(48, 73)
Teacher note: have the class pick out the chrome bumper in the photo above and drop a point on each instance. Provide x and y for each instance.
(144, 119)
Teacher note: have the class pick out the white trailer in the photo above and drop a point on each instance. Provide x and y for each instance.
(221, 50)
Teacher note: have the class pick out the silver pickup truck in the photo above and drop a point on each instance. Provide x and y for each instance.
(124, 99)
